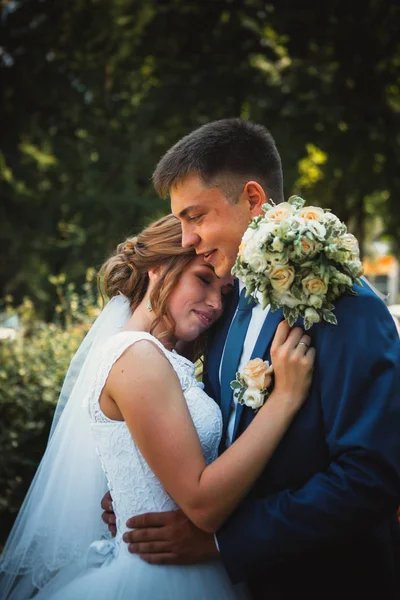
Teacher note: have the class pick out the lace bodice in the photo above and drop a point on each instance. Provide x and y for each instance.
(133, 486)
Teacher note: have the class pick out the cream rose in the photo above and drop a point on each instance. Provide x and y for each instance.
(351, 244)
(279, 212)
(312, 213)
(253, 398)
(313, 285)
(281, 277)
(308, 247)
(257, 374)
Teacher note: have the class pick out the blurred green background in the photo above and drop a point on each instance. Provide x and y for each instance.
(94, 91)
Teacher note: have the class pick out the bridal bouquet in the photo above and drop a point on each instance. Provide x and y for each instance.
(299, 258)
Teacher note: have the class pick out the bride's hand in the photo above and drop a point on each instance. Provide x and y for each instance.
(293, 360)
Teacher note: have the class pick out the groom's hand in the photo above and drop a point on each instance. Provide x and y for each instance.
(169, 538)
(108, 515)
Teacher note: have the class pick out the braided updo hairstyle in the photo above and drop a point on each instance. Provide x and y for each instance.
(158, 246)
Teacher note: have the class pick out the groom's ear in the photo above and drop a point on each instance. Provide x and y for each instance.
(255, 196)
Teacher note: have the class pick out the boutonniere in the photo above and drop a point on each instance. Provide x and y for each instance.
(251, 386)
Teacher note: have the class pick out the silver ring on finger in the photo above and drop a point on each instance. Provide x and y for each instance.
(304, 344)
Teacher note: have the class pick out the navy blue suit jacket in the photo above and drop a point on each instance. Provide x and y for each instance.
(321, 521)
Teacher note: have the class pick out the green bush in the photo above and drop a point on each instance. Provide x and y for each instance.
(32, 370)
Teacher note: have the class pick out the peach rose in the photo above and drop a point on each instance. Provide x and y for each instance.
(281, 277)
(257, 374)
(314, 285)
(279, 212)
(312, 213)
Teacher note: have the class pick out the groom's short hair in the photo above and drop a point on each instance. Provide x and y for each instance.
(228, 153)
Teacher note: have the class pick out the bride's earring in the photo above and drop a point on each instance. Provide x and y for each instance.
(148, 305)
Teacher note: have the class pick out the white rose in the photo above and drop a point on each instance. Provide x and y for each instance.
(248, 234)
(265, 230)
(255, 258)
(339, 277)
(317, 229)
(311, 315)
(336, 226)
(315, 301)
(253, 398)
(290, 228)
(332, 219)
(287, 299)
(356, 268)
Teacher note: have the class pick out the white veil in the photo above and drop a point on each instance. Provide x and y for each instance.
(61, 514)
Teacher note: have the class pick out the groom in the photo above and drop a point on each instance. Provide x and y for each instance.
(321, 521)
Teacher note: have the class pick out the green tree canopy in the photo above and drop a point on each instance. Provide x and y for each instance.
(94, 92)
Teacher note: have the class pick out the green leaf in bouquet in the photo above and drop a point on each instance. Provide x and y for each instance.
(329, 317)
(265, 301)
(250, 288)
(273, 306)
(296, 202)
(239, 396)
(254, 223)
(296, 292)
(351, 292)
(307, 324)
(290, 315)
(235, 385)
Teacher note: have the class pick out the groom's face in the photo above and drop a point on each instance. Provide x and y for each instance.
(210, 224)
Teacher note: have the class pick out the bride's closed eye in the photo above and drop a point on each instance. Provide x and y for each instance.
(204, 279)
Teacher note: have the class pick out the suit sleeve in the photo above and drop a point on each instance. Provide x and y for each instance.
(358, 373)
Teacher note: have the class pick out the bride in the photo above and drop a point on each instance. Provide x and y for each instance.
(133, 419)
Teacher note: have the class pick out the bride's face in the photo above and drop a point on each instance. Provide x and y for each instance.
(197, 300)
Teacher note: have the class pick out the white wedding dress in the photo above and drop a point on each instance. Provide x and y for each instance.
(110, 572)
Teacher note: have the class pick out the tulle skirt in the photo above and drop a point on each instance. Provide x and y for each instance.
(128, 577)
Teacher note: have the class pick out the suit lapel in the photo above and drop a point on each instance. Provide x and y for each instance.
(260, 351)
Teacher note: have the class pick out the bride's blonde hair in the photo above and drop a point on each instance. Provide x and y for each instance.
(157, 247)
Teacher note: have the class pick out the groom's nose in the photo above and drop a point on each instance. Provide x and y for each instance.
(189, 238)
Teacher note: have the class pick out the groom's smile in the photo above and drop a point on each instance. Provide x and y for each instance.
(211, 224)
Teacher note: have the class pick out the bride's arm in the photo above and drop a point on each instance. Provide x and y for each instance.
(144, 386)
